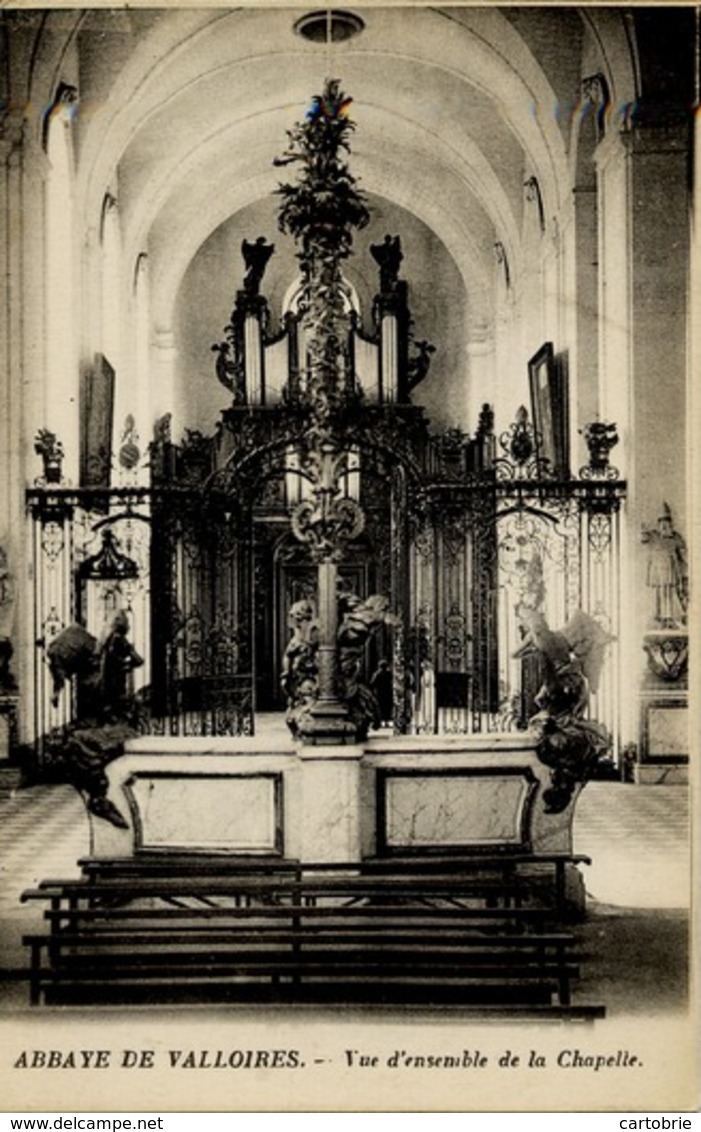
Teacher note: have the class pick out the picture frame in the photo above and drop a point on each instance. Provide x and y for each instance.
(97, 421)
(664, 731)
(549, 408)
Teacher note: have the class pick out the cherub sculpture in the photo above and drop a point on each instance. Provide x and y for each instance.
(572, 659)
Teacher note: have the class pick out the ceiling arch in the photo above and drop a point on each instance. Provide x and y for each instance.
(182, 111)
(169, 266)
(179, 219)
(195, 80)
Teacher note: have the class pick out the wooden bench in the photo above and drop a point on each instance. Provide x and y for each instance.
(542, 874)
(297, 934)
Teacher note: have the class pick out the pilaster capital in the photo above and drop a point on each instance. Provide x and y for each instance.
(612, 149)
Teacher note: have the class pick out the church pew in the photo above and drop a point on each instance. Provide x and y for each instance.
(468, 964)
(367, 936)
(545, 873)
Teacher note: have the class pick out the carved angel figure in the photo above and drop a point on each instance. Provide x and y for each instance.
(388, 257)
(360, 616)
(255, 256)
(419, 365)
(572, 659)
(107, 710)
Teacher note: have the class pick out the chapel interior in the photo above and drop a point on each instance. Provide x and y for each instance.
(363, 541)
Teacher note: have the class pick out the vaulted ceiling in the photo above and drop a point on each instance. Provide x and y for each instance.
(182, 111)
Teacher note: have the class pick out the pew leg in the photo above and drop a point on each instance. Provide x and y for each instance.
(35, 975)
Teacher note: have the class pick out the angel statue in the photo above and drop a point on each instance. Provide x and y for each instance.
(108, 711)
(571, 659)
(388, 257)
(255, 256)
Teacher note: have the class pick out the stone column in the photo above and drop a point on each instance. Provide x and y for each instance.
(616, 381)
(659, 273)
(253, 359)
(164, 391)
(328, 628)
(615, 378)
(480, 369)
(643, 314)
(23, 172)
(582, 309)
(330, 789)
(388, 357)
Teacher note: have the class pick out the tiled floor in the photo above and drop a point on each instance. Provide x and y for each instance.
(638, 839)
(637, 884)
(43, 832)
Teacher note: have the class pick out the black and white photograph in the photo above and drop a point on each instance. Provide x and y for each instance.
(348, 517)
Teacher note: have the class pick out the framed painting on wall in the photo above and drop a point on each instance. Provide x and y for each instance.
(548, 384)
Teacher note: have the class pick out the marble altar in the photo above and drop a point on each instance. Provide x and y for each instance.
(398, 795)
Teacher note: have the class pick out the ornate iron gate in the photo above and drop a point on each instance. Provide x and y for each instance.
(461, 534)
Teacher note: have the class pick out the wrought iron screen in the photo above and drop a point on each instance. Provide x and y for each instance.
(461, 533)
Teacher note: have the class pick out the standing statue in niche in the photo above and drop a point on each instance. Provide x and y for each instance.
(388, 256)
(108, 714)
(255, 256)
(667, 572)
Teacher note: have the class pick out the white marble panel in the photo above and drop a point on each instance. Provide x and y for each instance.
(208, 812)
(435, 811)
(668, 732)
(331, 804)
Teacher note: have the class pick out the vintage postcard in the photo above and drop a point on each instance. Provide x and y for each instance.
(348, 520)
